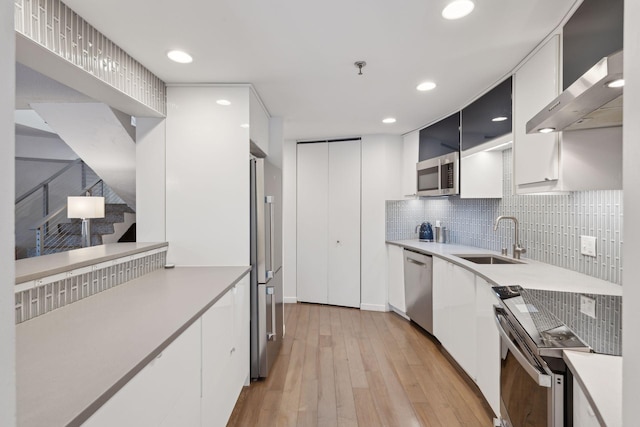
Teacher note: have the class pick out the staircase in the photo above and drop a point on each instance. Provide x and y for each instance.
(68, 235)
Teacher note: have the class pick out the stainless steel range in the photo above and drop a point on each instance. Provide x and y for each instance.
(535, 384)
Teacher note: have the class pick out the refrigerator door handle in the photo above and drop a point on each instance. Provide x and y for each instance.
(272, 245)
(271, 336)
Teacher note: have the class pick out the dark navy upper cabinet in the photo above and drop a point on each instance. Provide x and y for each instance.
(594, 31)
(440, 138)
(488, 117)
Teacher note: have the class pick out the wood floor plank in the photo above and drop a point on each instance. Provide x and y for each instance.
(347, 367)
(365, 408)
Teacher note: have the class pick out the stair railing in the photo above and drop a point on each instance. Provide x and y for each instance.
(43, 226)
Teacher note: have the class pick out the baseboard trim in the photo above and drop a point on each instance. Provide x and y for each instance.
(290, 300)
(374, 307)
(399, 312)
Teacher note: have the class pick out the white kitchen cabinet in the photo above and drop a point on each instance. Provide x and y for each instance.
(225, 354)
(536, 156)
(481, 175)
(410, 152)
(328, 227)
(395, 259)
(487, 345)
(258, 123)
(164, 391)
(583, 413)
(454, 312)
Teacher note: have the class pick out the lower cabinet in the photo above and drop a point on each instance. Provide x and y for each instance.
(463, 323)
(454, 300)
(488, 344)
(583, 413)
(395, 259)
(197, 379)
(163, 392)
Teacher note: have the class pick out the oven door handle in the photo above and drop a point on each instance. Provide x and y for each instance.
(543, 380)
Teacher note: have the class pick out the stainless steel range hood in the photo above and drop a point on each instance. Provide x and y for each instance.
(588, 103)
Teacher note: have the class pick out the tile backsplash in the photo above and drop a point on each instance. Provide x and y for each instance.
(550, 225)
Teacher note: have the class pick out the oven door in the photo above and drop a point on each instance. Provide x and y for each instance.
(528, 389)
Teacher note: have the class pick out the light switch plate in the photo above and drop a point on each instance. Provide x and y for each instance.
(588, 245)
(588, 306)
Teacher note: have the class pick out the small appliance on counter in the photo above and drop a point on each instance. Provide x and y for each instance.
(426, 232)
(440, 233)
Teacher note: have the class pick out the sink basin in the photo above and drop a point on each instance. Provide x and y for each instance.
(489, 259)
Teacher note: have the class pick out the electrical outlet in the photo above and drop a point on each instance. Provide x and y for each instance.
(588, 306)
(588, 245)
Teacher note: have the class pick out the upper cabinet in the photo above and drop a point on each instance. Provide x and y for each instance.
(487, 118)
(440, 138)
(594, 31)
(486, 128)
(536, 156)
(410, 147)
(259, 124)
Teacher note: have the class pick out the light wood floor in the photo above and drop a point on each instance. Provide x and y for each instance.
(346, 367)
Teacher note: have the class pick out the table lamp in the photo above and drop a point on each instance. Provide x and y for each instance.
(85, 207)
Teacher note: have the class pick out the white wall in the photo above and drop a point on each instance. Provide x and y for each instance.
(631, 178)
(207, 175)
(38, 147)
(150, 180)
(382, 157)
(7, 268)
(289, 259)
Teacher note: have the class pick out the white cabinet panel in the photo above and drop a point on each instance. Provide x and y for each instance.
(258, 124)
(488, 345)
(396, 278)
(168, 388)
(583, 413)
(536, 156)
(481, 175)
(312, 222)
(411, 147)
(462, 319)
(344, 224)
(441, 285)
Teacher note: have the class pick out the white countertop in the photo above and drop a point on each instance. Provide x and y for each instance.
(530, 274)
(47, 265)
(71, 360)
(600, 377)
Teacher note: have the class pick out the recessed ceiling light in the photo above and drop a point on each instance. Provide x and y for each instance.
(616, 83)
(499, 119)
(426, 86)
(179, 56)
(546, 130)
(223, 102)
(245, 126)
(389, 120)
(457, 9)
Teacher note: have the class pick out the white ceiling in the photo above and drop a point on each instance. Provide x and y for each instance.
(299, 54)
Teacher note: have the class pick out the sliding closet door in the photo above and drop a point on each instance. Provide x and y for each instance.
(344, 224)
(312, 222)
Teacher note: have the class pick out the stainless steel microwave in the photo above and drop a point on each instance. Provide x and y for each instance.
(439, 176)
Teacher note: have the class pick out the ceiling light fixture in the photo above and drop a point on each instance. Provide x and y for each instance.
(223, 102)
(389, 120)
(422, 87)
(546, 130)
(457, 9)
(360, 65)
(499, 119)
(616, 83)
(179, 56)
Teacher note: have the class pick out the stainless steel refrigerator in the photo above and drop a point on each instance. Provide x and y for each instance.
(267, 310)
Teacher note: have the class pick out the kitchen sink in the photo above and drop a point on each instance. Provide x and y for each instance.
(489, 259)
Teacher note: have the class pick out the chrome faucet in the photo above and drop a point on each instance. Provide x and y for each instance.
(517, 249)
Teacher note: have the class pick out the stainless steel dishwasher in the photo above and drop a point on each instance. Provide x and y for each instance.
(418, 288)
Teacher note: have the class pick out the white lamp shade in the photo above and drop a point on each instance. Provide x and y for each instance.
(85, 207)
